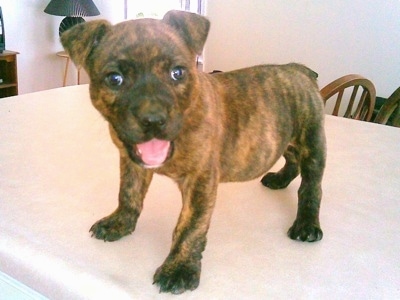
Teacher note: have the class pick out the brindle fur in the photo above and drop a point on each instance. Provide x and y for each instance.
(225, 127)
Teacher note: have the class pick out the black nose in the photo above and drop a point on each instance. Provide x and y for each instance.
(153, 121)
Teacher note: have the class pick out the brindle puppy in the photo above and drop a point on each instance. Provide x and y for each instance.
(196, 128)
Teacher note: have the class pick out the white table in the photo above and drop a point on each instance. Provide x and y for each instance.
(59, 174)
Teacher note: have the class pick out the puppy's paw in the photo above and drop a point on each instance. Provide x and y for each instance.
(177, 278)
(305, 232)
(275, 181)
(114, 227)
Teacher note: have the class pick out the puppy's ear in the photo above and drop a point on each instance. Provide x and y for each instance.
(192, 28)
(82, 38)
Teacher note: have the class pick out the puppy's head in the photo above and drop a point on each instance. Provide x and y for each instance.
(142, 77)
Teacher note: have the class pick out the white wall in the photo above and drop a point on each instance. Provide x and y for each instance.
(333, 37)
(34, 34)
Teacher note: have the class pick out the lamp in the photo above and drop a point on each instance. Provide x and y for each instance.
(74, 10)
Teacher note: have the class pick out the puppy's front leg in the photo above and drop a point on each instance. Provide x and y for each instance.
(134, 184)
(181, 269)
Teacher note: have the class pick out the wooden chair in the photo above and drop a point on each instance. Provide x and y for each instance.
(389, 113)
(365, 103)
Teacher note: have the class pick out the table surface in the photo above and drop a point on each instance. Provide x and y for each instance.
(59, 174)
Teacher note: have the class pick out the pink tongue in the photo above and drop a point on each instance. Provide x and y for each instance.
(154, 152)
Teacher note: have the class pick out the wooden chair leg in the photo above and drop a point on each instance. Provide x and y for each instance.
(66, 72)
(79, 76)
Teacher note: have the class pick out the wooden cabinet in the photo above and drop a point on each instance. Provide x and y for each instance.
(8, 74)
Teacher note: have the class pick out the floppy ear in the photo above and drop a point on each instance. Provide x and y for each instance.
(82, 38)
(192, 28)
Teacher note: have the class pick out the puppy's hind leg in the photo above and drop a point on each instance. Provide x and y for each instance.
(306, 227)
(290, 171)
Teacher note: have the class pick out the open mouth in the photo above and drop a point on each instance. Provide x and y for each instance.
(153, 153)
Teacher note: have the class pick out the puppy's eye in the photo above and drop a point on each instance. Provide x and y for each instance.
(114, 79)
(178, 73)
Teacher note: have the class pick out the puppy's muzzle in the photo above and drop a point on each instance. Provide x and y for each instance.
(153, 122)
(156, 147)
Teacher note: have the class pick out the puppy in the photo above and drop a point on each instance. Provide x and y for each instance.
(166, 117)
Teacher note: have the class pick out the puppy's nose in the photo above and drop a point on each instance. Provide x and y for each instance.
(153, 120)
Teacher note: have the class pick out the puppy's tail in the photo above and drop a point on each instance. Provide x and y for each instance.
(306, 70)
(312, 73)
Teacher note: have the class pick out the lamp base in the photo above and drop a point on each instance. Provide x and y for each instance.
(68, 22)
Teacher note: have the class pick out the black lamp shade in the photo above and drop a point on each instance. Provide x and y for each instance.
(72, 8)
